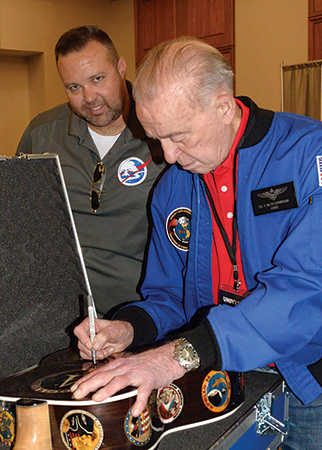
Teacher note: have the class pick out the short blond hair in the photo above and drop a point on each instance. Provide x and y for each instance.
(192, 63)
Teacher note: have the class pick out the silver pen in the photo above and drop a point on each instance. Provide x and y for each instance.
(91, 317)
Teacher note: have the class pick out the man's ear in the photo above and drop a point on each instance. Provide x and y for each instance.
(226, 106)
(121, 66)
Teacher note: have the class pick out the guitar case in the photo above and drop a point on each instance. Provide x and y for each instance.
(200, 397)
(43, 287)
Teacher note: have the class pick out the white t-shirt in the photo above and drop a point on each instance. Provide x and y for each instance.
(103, 143)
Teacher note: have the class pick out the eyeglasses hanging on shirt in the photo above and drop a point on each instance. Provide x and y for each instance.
(98, 178)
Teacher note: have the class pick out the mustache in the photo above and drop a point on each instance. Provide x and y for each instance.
(95, 104)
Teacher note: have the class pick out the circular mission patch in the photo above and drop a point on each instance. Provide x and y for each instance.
(80, 429)
(138, 430)
(7, 426)
(178, 228)
(216, 391)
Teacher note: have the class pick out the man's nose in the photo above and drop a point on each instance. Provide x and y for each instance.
(170, 150)
(89, 94)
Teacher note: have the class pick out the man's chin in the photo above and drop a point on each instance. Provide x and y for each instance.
(99, 122)
(190, 168)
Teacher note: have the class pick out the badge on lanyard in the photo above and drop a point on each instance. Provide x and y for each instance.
(228, 296)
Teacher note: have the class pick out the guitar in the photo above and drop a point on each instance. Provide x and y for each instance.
(200, 397)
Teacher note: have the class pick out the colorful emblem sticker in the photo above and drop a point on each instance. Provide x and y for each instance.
(7, 426)
(138, 430)
(170, 403)
(81, 429)
(319, 164)
(216, 391)
(58, 383)
(132, 171)
(178, 228)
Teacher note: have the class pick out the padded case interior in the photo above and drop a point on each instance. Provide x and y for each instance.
(41, 278)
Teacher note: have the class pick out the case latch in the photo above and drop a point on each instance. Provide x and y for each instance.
(265, 422)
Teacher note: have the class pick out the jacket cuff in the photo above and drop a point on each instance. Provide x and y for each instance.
(145, 331)
(204, 341)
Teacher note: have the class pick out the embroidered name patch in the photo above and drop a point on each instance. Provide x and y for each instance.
(319, 163)
(178, 228)
(274, 198)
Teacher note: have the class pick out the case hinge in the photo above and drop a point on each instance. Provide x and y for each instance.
(265, 422)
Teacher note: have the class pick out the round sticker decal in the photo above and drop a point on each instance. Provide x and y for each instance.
(7, 426)
(132, 171)
(80, 429)
(216, 391)
(170, 403)
(178, 228)
(138, 430)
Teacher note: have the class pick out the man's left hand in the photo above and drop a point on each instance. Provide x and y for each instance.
(152, 369)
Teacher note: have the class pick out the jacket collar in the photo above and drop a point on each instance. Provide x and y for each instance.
(258, 124)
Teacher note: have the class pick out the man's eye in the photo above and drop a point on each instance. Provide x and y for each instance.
(73, 87)
(97, 79)
(176, 139)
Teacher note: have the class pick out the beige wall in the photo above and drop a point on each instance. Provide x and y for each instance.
(267, 33)
(14, 99)
(29, 30)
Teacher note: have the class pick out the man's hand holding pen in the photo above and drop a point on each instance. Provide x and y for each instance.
(151, 369)
(112, 336)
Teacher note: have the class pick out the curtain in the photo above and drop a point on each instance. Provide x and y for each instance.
(301, 86)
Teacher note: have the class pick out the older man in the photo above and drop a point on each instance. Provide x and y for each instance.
(108, 163)
(249, 181)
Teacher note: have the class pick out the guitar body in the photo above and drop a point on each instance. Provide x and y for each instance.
(198, 398)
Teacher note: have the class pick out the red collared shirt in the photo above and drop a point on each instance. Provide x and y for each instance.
(221, 185)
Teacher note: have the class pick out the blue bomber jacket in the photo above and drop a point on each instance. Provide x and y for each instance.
(279, 215)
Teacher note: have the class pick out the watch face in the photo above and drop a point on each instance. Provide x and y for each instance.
(187, 352)
(186, 355)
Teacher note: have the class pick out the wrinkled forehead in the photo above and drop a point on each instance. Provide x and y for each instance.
(165, 114)
(169, 95)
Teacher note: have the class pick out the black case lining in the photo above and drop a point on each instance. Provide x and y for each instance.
(41, 281)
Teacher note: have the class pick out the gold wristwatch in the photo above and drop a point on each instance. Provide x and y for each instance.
(186, 354)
